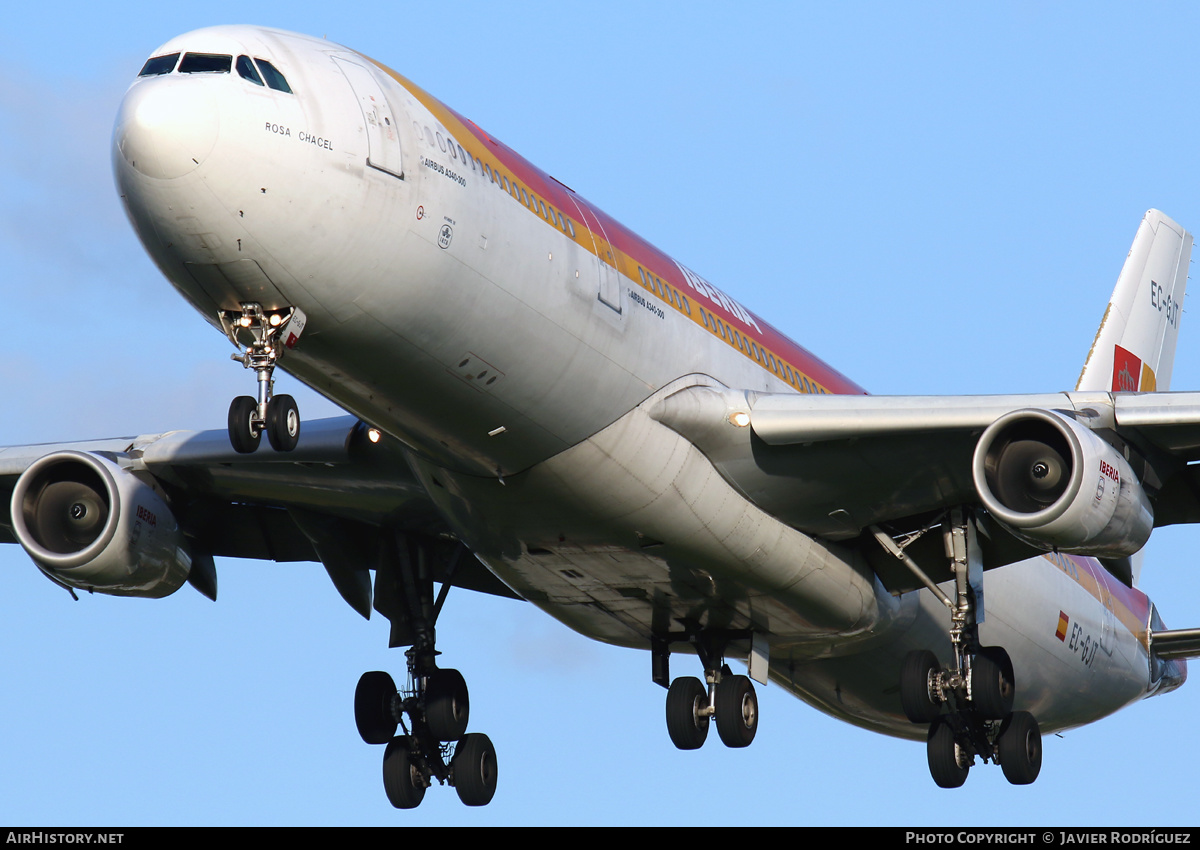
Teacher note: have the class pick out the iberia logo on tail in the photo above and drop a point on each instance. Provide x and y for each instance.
(1130, 374)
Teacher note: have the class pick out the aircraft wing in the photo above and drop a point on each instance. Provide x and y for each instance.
(836, 466)
(323, 501)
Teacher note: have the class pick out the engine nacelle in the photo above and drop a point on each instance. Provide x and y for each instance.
(89, 524)
(1056, 485)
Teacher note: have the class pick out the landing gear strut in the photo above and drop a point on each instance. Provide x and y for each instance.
(270, 334)
(729, 699)
(968, 705)
(433, 709)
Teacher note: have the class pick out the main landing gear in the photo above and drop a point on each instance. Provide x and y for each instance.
(728, 699)
(435, 743)
(270, 333)
(433, 709)
(968, 705)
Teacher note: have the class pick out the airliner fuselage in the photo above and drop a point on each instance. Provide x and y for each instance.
(531, 354)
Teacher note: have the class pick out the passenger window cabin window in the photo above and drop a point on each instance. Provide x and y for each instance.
(156, 66)
(247, 71)
(441, 142)
(274, 79)
(205, 63)
(429, 136)
(571, 228)
(686, 306)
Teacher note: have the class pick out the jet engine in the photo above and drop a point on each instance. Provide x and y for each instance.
(88, 523)
(1057, 485)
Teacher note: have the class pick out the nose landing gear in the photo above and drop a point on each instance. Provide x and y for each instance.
(270, 334)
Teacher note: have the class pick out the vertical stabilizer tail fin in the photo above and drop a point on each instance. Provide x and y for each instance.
(1134, 349)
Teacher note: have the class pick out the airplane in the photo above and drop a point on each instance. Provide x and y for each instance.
(205, 484)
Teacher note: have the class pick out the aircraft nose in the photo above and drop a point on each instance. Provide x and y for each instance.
(166, 127)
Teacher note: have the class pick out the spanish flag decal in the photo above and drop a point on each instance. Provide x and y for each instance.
(1063, 620)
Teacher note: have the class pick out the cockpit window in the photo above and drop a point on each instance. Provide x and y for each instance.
(205, 63)
(247, 71)
(271, 74)
(159, 65)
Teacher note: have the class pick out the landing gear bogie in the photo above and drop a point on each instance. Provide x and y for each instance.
(969, 703)
(433, 708)
(724, 698)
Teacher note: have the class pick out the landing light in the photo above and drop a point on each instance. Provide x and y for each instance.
(741, 419)
(275, 320)
(374, 435)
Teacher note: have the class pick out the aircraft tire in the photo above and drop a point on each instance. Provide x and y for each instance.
(736, 711)
(373, 707)
(447, 705)
(918, 706)
(685, 725)
(402, 779)
(474, 770)
(992, 683)
(944, 756)
(283, 423)
(243, 436)
(1020, 748)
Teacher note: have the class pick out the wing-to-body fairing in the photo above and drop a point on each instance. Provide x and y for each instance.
(545, 406)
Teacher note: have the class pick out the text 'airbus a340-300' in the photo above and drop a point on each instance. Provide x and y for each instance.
(544, 406)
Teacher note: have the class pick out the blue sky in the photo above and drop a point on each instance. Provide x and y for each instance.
(935, 200)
